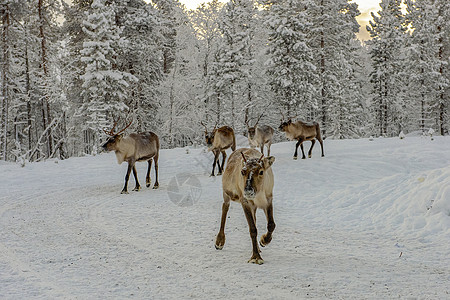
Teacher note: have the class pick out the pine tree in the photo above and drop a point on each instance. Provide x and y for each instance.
(443, 29)
(19, 115)
(332, 38)
(235, 57)
(206, 25)
(180, 89)
(104, 86)
(290, 67)
(423, 63)
(388, 32)
(141, 56)
(168, 22)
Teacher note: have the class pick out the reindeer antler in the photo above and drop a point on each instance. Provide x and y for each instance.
(243, 156)
(111, 132)
(261, 158)
(259, 118)
(217, 122)
(124, 128)
(206, 128)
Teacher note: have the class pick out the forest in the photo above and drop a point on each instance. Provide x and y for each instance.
(70, 69)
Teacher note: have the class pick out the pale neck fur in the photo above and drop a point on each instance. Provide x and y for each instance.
(120, 156)
(290, 132)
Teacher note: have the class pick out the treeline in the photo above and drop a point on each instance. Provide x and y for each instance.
(69, 69)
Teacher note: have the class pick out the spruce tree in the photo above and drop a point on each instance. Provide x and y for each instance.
(235, 58)
(332, 38)
(290, 66)
(387, 31)
(104, 86)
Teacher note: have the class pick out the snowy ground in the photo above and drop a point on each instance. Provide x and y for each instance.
(370, 220)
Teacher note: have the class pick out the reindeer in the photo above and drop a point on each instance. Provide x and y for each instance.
(301, 132)
(258, 136)
(248, 179)
(132, 148)
(218, 140)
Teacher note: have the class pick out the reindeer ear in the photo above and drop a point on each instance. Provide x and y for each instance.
(268, 161)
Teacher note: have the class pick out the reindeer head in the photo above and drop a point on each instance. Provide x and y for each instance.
(252, 129)
(114, 138)
(111, 142)
(209, 136)
(251, 132)
(253, 172)
(284, 124)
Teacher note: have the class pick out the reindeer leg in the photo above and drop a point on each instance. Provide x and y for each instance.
(266, 238)
(262, 149)
(155, 158)
(321, 146)
(310, 149)
(268, 149)
(220, 239)
(127, 176)
(219, 172)
(216, 160)
(147, 178)
(303, 152)
(249, 211)
(299, 143)
(224, 156)
(138, 186)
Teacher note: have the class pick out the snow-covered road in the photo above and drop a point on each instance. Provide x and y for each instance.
(370, 220)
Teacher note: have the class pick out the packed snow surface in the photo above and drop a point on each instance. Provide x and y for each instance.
(371, 220)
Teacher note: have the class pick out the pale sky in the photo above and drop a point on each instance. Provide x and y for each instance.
(365, 6)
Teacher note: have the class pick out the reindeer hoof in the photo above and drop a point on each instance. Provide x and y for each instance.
(295, 157)
(220, 241)
(156, 186)
(309, 156)
(124, 192)
(258, 261)
(220, 173)
(264, 241)
(304, 157)
(137, 189)
(212, 175)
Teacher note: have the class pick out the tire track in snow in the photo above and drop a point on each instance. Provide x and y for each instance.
(23, 269)
(20, 265)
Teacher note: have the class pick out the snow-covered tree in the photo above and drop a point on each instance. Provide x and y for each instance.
(141, 56)
(443, 29)
(30, 88)
(168, 22)
(235, 58)
(105, 88)
(387, 30)
(290, 67)
(423, 63)
(332, 37)
(205, 20)
(179, 101)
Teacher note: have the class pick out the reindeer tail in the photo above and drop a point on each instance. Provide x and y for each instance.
(319, 134)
